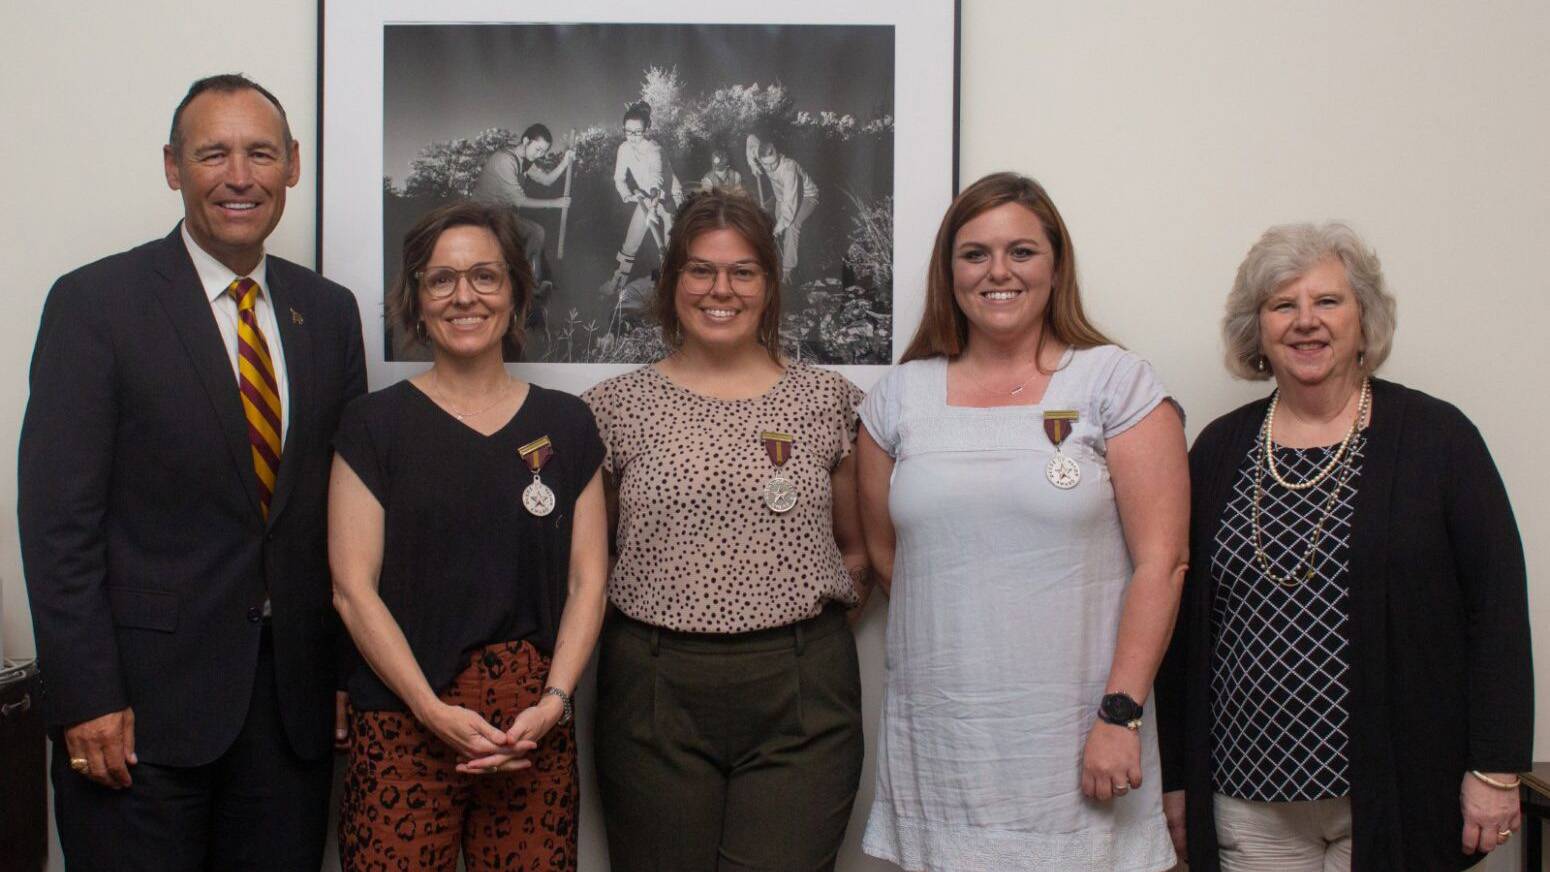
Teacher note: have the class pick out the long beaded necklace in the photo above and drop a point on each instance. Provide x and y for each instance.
(1303, 569)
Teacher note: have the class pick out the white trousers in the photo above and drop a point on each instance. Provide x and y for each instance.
(1313, 836)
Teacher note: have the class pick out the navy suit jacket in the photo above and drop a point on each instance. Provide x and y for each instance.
(147, 557)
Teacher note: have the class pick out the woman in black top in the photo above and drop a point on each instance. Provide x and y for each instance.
(1349, 685)
(467, 536)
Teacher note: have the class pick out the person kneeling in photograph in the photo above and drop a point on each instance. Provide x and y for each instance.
(721, 174)
(504, 179)
(467, 537)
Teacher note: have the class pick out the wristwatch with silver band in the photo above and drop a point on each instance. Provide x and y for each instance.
(569, 711)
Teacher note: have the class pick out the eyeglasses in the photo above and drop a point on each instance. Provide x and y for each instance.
(634, 134)
(441, 282)
(699, 277)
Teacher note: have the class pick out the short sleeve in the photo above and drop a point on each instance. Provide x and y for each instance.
(600, 400)
(592, 452)
(361, 446)
(881, 408)
(1128, 393)
(846, 417)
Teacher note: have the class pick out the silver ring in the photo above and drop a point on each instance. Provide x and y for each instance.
(1121, 788)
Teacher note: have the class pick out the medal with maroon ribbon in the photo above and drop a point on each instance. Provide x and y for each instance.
(780, 493)
(1062, 471)
(537, 498)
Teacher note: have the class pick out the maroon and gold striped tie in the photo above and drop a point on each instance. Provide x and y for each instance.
(260, 390)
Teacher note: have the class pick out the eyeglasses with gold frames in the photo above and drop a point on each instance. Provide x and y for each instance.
(744, 278)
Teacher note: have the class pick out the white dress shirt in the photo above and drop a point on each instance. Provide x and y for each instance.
(216, 278)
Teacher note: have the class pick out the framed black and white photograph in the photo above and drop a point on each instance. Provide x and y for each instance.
(593, 122)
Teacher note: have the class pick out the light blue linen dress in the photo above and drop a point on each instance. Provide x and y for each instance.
(1005, 607)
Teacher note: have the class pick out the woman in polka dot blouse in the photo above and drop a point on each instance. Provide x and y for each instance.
(729, 700)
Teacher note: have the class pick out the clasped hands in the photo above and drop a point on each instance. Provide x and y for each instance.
(484, 748)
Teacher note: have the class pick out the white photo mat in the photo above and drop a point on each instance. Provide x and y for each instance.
(351, 129)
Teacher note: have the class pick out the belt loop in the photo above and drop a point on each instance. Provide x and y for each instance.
(801, 640)
(656, 640)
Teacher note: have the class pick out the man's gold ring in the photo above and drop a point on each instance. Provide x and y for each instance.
(1504, 835)
(80, 764)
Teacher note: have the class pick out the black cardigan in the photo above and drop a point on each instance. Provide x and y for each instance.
(1441, 674)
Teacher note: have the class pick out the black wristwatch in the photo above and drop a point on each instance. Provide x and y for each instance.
(1120, 710)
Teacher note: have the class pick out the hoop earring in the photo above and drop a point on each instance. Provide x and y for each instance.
(419, 330)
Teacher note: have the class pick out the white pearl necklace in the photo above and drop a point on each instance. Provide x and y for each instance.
(1334, 463)
(1305, 566)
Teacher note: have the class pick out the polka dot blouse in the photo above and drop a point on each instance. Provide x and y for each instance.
(699, 550)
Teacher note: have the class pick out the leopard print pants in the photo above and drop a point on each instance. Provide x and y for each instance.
(407, 808)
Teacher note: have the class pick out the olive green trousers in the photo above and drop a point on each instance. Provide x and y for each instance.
(727, 752)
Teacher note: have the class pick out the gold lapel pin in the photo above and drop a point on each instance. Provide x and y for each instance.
(296, 317)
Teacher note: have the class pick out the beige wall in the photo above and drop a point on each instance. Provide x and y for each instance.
(1170, 133)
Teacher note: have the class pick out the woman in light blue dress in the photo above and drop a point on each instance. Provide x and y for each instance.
(1025, 493)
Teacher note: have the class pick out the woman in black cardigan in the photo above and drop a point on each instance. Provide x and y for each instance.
(1350, 684)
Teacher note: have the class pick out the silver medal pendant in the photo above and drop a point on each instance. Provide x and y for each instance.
(537, 498)
(780, 494)
(1063, 472)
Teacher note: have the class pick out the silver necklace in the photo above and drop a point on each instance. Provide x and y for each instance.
(1014, 391)
(441, 398)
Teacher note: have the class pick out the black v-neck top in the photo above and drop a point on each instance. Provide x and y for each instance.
(464, 564)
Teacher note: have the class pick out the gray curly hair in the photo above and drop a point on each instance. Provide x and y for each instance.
(1284, 253)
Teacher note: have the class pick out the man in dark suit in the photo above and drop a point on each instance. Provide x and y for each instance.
(173, 472)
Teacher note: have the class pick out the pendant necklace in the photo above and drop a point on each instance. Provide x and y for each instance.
(1011, 393)
(462, 416)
